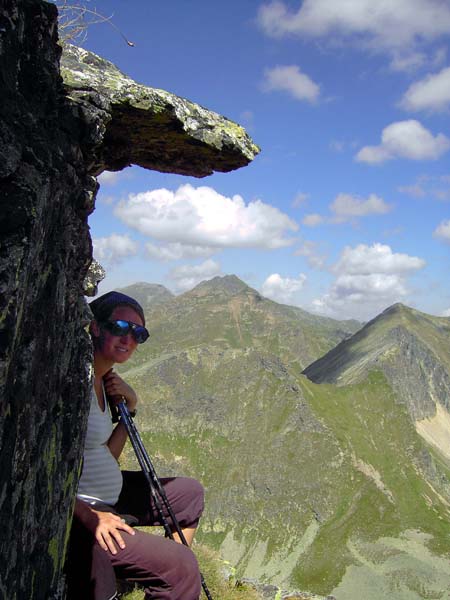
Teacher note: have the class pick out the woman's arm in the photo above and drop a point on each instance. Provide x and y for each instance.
(104, 526)
(116, 387)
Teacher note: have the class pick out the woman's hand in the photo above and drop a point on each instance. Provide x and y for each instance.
(105, 526)
(116, 386)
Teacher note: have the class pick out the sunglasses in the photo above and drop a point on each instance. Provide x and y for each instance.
(122, 328)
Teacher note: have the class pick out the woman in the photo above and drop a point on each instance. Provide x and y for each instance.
(103, 545)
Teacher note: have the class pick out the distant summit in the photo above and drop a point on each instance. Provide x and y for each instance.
(411, 348)
(228, 285)
(148, 294)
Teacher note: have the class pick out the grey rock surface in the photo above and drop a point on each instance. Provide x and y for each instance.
(54, 140)
(46, 194)
(136, 124)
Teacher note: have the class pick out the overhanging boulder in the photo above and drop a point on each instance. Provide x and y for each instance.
(152, 128)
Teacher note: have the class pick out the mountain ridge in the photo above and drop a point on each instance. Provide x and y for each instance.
(315, 486)
(404, 344)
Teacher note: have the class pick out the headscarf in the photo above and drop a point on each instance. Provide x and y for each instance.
(103, 306)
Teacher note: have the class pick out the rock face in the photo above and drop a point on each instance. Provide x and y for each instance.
(46, 195)
(135, 124)
(52, 144)
(409, 347)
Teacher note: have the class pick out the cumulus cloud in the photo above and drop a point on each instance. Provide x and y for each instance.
(346, 206)
(186, 277)
(203, 217)
(282, 289)
(300, 199)
(378, 258)
(442, 231)
(313, 220)
(395, 27)
(310, 251)
(435, 186)
(368, 279)
(114, 248)
(177, 251)
(111, 178)
(411, 61)
(416, 190)
(290, 79)
(108, 178)
(431, 93)
(405, 139)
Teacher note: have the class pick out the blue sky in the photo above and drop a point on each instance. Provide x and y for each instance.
(347, 208)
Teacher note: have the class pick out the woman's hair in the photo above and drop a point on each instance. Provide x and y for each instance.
(103, 306)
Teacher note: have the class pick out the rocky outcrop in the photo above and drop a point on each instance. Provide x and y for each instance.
(53, 141)
(46, 195)
(136, 124)
(409, 347)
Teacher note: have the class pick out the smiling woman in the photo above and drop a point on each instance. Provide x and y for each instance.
(103, 545)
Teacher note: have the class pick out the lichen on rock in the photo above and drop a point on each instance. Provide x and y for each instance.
(155, 129)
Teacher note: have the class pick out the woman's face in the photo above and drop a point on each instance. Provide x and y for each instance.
(118, 349)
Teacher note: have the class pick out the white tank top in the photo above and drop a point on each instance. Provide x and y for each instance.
(101, 478)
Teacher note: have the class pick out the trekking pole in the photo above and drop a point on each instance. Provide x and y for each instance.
(156, 489)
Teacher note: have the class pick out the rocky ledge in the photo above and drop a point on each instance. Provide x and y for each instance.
(136, 124)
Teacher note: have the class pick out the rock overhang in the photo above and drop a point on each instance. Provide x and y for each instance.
(135, 124)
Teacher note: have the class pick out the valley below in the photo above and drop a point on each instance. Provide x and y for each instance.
(323, 445)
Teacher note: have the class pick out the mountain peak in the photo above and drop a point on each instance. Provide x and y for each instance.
(148, 294)
(228, 285)
(398, 342)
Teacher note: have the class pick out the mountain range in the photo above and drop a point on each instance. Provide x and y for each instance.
(323, 445)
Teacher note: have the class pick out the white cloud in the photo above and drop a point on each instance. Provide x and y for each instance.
(111, 178)
(431, 93)
(434, 186)
(300, 199)
(108, 178)
(186, 277)
(368, 279)
(378, 258)
(446, 313)
(177, 251)
(405, 139)
(442, 231)
(312, 220)
(282, 289)
(203, 217)
(114, 248)
(290, 79)
(395, 27)
(346, 206)
(416, 190)
(309, 250)
(410, 61)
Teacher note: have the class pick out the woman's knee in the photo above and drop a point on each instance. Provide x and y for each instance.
(196, 490)
(183, 579)
(186, 495)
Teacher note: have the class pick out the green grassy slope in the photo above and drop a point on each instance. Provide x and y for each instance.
(226, 313)
(410, 347)
(319, 487)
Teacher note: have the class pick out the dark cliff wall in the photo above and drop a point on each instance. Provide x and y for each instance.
(53, 139)
(45, 197)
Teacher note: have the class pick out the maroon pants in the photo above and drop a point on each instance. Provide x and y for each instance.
(166, 570)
